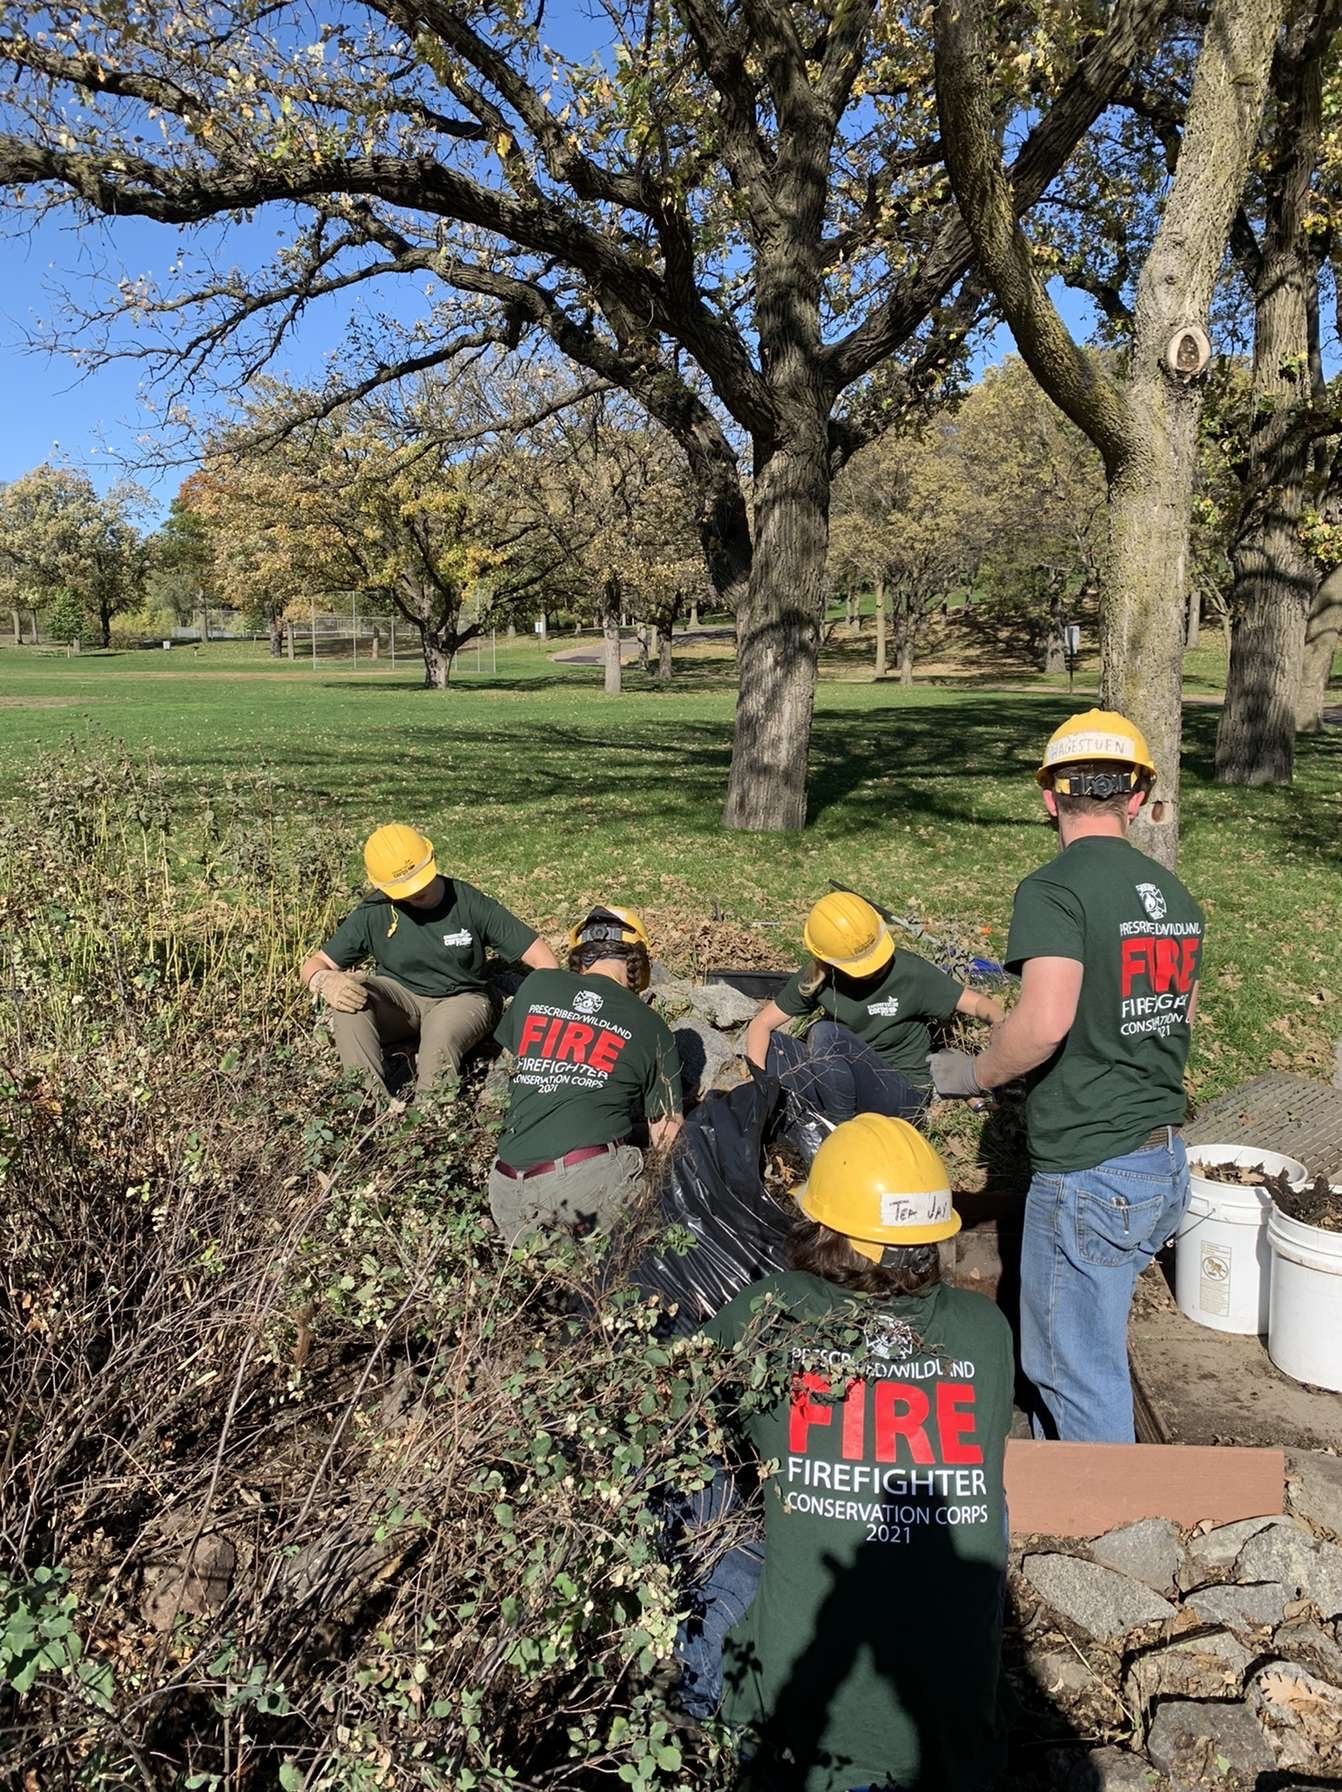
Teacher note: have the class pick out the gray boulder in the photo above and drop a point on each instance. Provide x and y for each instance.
(1190, 1738)
(1209, 1665)
(1309, 1643)
(1243, 1608)
(1300, 1715)
(182, 1581)
(1288, 1552)
(1151, 1551)
(1219, 1548)
(721, 1005)
(1314, 1488)
(1099, 1601)
(1103, 1770)
(705, 1058)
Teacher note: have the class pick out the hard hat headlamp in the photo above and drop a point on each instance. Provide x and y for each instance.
(1097, 781)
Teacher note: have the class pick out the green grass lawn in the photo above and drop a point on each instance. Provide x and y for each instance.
(536, 785)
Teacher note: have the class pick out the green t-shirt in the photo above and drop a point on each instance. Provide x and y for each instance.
(592, 1060)
(870, 1654)
(438, 951)
(1138, 933)
(890, 1010)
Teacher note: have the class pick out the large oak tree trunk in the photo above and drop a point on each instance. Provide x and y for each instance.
(880, 629)
(664, 655)
(610, 636)
(1193, 627)
(275, 637)
(780, 636)
(1143, 586)
(438, 656)
(1323, 632)
(1255, 739)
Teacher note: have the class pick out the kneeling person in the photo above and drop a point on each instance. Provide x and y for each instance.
(427, 936)
(868, 1052)
(593, 1065)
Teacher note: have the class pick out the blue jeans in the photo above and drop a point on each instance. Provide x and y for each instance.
(831, 1069)
(721, 1598)
(1088, 1235)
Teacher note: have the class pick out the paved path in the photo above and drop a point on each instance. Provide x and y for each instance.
(593, 653)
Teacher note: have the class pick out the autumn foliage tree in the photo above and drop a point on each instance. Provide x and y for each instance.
(62, 541)
(736, 214)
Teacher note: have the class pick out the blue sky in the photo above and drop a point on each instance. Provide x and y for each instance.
(97, 419)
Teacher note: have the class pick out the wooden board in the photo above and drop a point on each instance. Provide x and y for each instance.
(1083, 1490)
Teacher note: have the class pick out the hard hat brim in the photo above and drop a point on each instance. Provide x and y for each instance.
(879, 956)
(413, 882)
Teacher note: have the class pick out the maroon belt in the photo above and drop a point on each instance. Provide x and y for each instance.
(580, 1156)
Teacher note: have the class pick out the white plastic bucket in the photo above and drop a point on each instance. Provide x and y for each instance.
(1304, 1337)
(1222, 1260)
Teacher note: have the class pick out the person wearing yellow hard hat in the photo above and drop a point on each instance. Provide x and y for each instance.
(426, 937)
(595, 1078)
(1108, 945)
(868, 1050)
(880, 1396)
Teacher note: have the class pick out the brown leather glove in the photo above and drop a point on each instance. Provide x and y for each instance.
(340, 991)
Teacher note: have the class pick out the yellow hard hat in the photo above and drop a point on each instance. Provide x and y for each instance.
(878, 1182)
(399, 860)
(846, 932)
(605, 922)
(1096, 734)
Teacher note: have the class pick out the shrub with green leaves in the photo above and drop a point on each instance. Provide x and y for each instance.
(311, 1483)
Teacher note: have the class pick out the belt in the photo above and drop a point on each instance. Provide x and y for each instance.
(1161, 1135)
(580, 1156)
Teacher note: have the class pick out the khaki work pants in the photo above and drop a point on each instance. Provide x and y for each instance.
(440, 1029)
(587, 1197)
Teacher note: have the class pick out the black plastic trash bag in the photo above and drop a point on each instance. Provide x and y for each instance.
(715, 1190)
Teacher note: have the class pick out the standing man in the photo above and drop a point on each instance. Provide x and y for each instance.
(427, 936)
(595, 1072)
(1107, 944)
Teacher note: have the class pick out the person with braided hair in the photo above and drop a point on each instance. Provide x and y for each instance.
(595, 1072)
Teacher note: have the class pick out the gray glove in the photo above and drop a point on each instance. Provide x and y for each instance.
(953, 1073)
(340, 991)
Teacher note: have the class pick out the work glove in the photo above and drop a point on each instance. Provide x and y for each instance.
(340, 991)
(953, 1073)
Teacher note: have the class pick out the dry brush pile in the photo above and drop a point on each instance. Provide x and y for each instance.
(303, 1481)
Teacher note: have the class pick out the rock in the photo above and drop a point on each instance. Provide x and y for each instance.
(1314, 1488)
(1209, 1665)
(182, 1582)
(1150, 1551)
(1062, 1674)
(1300, 1714)
(673, 997)
(1287, 1552)
(721, 1005)
(1219, 1548)
(1243, 1608)
(1104, 1604)
(1103, 1770)
(1305, 1641)
(705, 1055)
(1190, 1738)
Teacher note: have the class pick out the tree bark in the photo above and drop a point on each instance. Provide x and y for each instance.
(779, 637)
(1274, 578)
(1055, 650)
(610, 634)
(544, 628)
(275, 637)
(1322, 635)
(289, 640)
(664, 654)
(18, 627)
(880, 628)
(694, 615)
(104, 623)
(1193, 627)
(1143, 581)
(906, 665)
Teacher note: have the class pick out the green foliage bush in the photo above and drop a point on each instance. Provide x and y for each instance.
(309, 1482)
